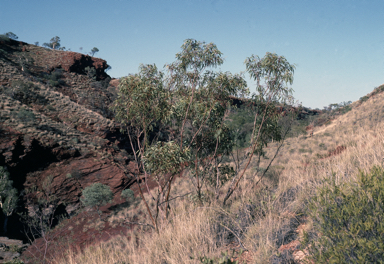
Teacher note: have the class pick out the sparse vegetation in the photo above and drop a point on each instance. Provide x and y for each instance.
(97, 195)
(54, 43)
(364, 98)
(55, 78)
(41, 217)
(322, 183)
(25, 115)
(94, 51)
(8, 196)
(90, 72)
(5, 38)
(11, 35)
(128, 195)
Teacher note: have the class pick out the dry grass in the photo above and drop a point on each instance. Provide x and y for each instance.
(260, 218)
(187, 235)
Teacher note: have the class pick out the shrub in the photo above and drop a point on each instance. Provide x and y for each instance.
(128, 195)
(348, 220)
(345, 109)
(364, 98)
(54, 78)
(25, 115)
(25, 92)
(97, 195)
(8, 196)
(90, 72)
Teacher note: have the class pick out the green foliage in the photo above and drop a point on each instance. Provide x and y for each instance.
(94, 51)
(96, 195)
(54, 43)
(20, 90)
(363, 99)
(184, 108)
(55, 78)
(348, 220)
(272, 74)
(240, 122)
(223, 174)
(25, 92)
(201, 105)
(90, 72)
(275, 72)
(25, 115)
(128, 195)
(176, 118)
(14, 261)
(142, 100)
(341, 108)
(76, 175)
(197, 56)
(8, 194)
(11, 35)
(378, 89)
(165, 157)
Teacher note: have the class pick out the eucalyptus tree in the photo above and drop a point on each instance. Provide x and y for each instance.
(8, 196)
(11, 35)
(94, 51)
(142, 104)
(273, 75)
(54, 43)
(201, 98)
(176, 118)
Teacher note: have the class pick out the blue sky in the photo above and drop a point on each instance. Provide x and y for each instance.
(337, 46)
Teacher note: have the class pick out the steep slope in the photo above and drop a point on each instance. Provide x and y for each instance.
(55, 121)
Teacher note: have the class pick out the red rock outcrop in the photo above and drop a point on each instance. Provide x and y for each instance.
(77, 62)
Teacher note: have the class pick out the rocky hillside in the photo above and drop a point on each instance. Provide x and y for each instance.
(55, 124)
(55, 121)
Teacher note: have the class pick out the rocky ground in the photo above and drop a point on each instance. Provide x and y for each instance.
(55, 122)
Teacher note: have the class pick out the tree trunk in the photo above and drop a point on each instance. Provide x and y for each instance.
(5, 224)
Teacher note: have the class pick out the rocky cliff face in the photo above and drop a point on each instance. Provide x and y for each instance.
(55, 122)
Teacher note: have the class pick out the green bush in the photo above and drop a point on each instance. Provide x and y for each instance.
(345, 109)
(364, 98)
(25, 92)
(97, 195)
(90, 72)
(25, 115)
(55, 78)
(128, 195)
(348, 220)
